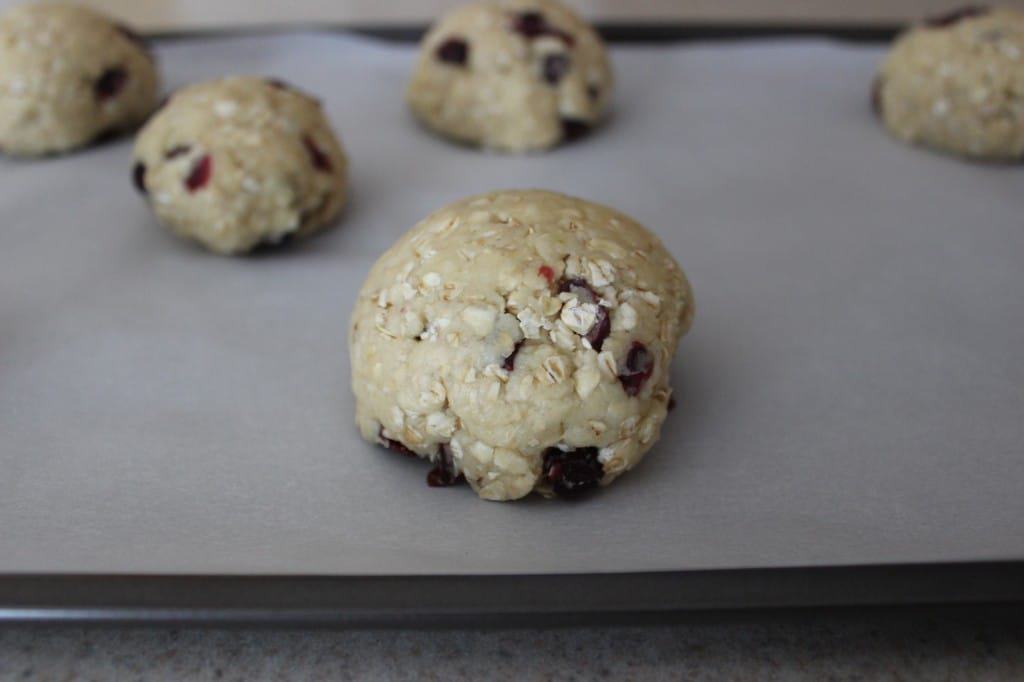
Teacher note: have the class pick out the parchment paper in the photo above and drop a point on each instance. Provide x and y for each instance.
(852, 391)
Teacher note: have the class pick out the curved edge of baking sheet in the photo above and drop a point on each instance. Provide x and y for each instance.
(497, 600)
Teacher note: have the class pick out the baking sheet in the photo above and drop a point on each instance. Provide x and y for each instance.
(851, 392)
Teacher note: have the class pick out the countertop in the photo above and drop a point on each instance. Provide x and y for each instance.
(929, 647)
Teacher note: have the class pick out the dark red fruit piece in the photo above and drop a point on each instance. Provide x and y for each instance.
(320, 161)
(443, 474)
(453, 51)
(639, 367)
(529, 24)
(572, 473)
(110, 83)
(139, 176)
(601, 329)
(876, 96)
(555, 67)
(956, 16)
(574, 129)
(547, 273)
(533, 25)
(582, 290)
(177, 151)
(578, 287)
(394, 445)
(200, 174)
(510, 362)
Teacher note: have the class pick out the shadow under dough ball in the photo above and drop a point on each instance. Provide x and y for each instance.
(955, 83)
(68, 77)
(241, 163)
(511, 75)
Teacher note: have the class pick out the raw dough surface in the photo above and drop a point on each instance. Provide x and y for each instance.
(512, 75)
(68, 76)
(956, 84)
(241, 162)
(522, 339)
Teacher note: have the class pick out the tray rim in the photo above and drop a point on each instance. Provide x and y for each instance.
(616, 33)
(496, 600)
(513, 599)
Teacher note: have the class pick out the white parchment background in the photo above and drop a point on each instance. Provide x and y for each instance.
(852, 391)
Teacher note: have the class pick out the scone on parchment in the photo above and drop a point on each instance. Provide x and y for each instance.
(239, 163)
(69, 76)
(955, 83)
(511, 75)
(521, 339)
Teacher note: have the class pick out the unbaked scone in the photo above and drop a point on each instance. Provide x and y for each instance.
(69, 76)
(521, 339)
(511, 75)
(239, 163)
(956, 83)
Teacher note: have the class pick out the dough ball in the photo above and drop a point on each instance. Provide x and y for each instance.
(241, 162)
(512, 75)
(521, 339)
(69, 76)
(956, 83)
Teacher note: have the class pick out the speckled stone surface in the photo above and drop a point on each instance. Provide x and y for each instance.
(818, 649)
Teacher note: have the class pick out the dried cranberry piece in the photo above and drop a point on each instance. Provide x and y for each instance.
(639, 367)
(533, 25)
(555, 67)
(547, 273)
(510, 362)
(176, 151)
(453, 51)
(139, 177)
(574, 129)
(443, 474)
(530, 24)
(876, 96)
(956, 16)
(320, 160)
(581, 289)
(110, 83)
(394, 445)
(601, 329)
(572, 473)
(200, 174)
(578, 287)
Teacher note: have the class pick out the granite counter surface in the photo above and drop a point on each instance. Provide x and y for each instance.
(927, 648)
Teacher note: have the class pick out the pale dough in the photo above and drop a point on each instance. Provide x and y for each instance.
(511, 75)
(522, 339)
(241, 162)
(69, 76)
(956, 84)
